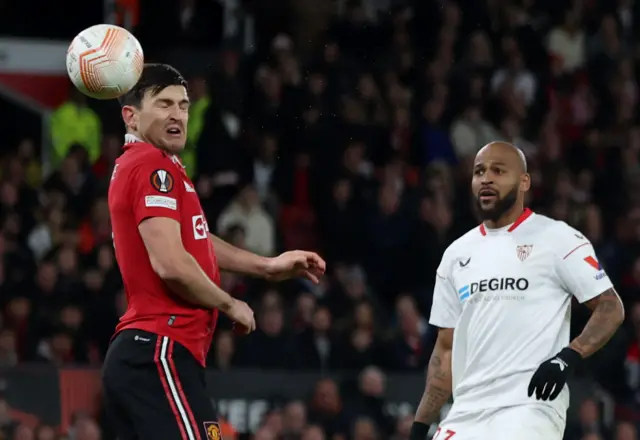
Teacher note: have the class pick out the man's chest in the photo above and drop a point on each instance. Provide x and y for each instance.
(504, 267)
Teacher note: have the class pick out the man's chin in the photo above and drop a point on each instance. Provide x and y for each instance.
(173, 146)
(486, 212)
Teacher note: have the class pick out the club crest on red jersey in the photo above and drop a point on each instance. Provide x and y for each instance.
(213, 431)
(523, 251)
(162, 181)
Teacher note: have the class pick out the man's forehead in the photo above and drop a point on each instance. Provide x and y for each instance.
(496, 155)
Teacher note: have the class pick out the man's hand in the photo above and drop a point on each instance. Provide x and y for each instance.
(551, 376)
(242, 317)
(296, 264)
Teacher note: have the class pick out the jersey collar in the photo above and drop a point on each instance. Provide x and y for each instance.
(130, 139)
(525, 215)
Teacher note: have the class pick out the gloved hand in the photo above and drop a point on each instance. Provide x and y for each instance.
(419, 431)
(551, 376)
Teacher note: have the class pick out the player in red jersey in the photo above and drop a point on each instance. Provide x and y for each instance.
(153, 375)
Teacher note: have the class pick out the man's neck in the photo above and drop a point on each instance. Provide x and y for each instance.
(132, 137)
(507, 219)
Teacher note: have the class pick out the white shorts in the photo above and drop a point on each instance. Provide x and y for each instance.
(522, 422)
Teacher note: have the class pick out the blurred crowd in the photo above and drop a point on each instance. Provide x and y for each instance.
(350, 130)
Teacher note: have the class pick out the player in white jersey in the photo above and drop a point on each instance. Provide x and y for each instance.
(502, 306)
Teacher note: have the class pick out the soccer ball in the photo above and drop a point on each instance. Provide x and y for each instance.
(104, 61)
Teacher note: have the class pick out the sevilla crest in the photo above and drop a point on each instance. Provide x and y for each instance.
(523, 251)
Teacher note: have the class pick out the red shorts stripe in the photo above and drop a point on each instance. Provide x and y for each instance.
(183, 398)
(160, 360)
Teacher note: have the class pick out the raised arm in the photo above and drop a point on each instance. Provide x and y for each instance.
(233, 259)
(292, 264)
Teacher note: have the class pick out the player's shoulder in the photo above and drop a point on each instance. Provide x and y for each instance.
(557, 234)
(141, 162)
(142, 154)
(460, 247)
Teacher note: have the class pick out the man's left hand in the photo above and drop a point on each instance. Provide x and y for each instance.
(296, 264)
(551, 376)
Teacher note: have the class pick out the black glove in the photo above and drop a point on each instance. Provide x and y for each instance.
(419, 431)
(551, 376)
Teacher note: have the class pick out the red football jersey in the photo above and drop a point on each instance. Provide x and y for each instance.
(147, 182)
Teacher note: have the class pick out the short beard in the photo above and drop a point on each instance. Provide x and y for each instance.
(501, 207)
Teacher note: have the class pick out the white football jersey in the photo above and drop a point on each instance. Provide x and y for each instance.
(507, 294)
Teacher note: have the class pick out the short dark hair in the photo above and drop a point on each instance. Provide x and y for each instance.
(155, 78)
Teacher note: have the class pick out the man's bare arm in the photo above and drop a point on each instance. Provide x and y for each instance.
(233, 259)
(607, 315)
(438, 389)
(177, 268)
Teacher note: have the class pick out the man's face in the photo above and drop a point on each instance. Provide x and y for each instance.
(162, 118)
(496, 183)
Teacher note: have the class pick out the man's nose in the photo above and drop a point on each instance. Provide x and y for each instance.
(487, 179)
(175, 113)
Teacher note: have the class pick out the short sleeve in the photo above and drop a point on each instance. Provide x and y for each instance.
(153, 192)
(578, 267)
(446, 307)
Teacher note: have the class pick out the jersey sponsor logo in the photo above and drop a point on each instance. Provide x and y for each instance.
(188, 188)
(463, 263)
(200, 227)
(523, 251)
(162, 181)
(595, 264)
(493, 285)
(160, 202)
(213, 430)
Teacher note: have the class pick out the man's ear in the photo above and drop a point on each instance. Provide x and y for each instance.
(130, 117)
(525, 182)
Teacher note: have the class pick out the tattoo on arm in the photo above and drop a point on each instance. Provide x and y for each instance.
(438, 389)
(607, 315)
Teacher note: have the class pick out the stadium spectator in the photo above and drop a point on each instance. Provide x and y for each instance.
(74, 122)
(258, 227)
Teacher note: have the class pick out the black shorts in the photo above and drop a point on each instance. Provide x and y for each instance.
(155, 389)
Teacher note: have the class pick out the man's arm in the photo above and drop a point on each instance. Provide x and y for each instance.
(291, 264)
(156, 210)
(607, 315)
(182, 273)
(233, 259)
(177, 268)
(582, 275)
(438, 388)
